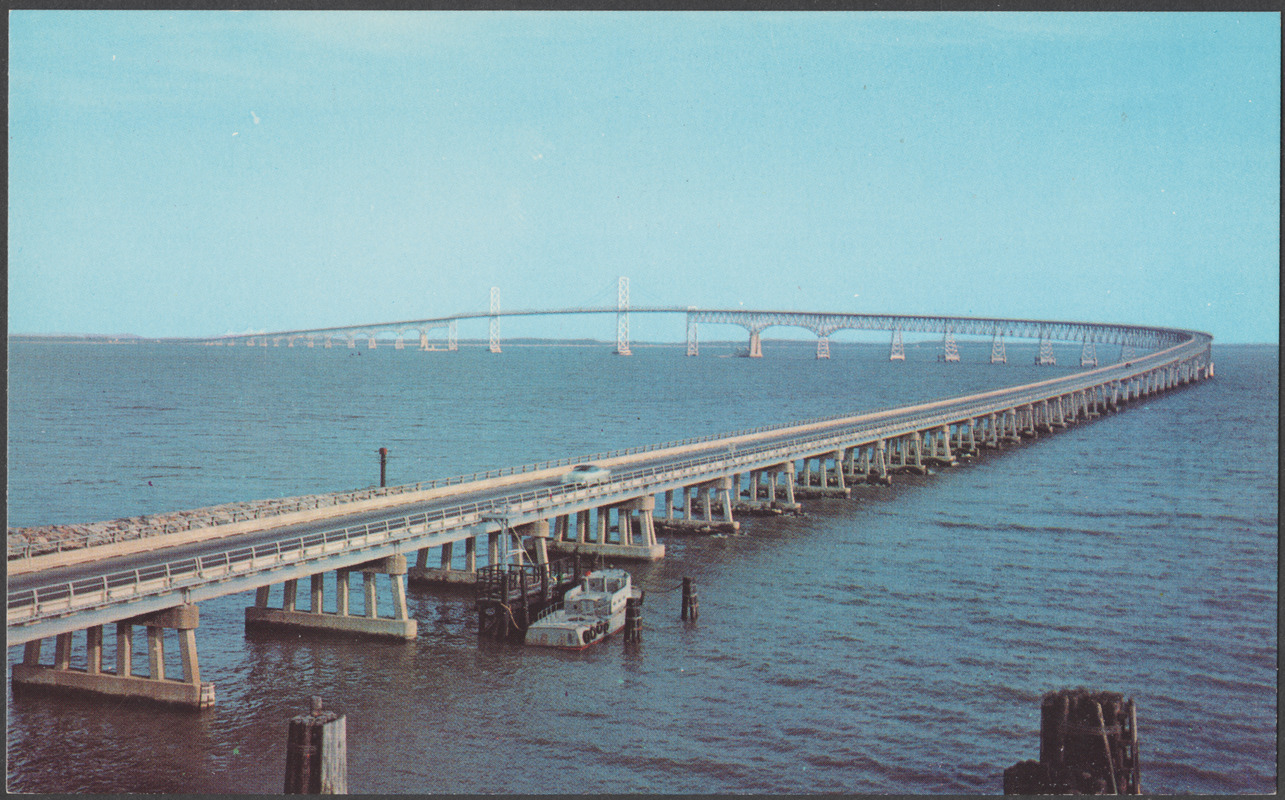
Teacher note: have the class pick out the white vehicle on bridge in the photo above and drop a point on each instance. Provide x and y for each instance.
(586, 475)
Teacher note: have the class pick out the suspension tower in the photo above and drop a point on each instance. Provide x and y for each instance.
(949, 350)
(622, 317)
(998, 353)
(898, 349)
(693, 344)
(495, 319)
(1045, 358)
(1089, 354)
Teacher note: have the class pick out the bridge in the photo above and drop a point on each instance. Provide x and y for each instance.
(822, 324)
(158, 582)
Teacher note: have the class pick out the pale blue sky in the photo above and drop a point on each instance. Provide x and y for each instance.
(197, 173)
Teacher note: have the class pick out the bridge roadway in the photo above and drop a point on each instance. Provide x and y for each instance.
(60, 599)
(823, 324)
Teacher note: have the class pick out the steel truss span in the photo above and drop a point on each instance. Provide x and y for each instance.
(822, 323)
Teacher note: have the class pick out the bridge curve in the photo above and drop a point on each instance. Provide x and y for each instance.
(754, 321)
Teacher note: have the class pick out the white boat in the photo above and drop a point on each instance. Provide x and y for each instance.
(588, 613)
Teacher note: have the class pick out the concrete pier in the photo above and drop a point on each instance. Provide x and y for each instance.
(827, 481)
(635, 530)
(399, 626)
(189, 690)
(709, 517)
(446, 574)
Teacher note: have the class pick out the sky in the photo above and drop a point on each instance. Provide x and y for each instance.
(195, 173)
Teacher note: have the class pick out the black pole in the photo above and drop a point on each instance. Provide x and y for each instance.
(383, 466)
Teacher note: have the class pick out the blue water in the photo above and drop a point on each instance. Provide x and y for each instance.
(898, 641)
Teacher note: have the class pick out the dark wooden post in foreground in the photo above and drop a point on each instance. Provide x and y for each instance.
(1088, 745)
(383, 466)
(691, 601)
(317, 753)
(633, 619)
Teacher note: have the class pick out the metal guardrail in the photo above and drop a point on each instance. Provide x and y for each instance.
(31, 550)
(61, 598)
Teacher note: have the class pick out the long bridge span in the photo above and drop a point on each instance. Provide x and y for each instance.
(822, 324)
(158, 582)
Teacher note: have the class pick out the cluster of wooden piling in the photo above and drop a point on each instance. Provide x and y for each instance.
(1088, 745)
(510, 597)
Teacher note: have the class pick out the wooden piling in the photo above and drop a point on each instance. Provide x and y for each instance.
(633, 620)
(317, 753)
(691, 601)
(1088, 745)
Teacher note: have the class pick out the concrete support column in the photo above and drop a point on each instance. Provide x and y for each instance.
(623, 531)
(807, 472)
(755, 477)
(789, 483)
(582, 526)
(421, 558)
(372, 595)
(668, 511)
(881, 460)
(771, 486)
(291, 593)
(62, 651)
(839, 459)
(261, 596)
(400, 609)
(493, 548)
(706, 503)
(601, 528)
(341, 592)
(943, 437)
(756, 345)
(687, 502)
(124, 649)
(187, 649)
(647, 527)
(31, 653)
(94, 646)
(470, 552)
(447, 553)
(316, 595)
(156, 652)
(725, 493)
